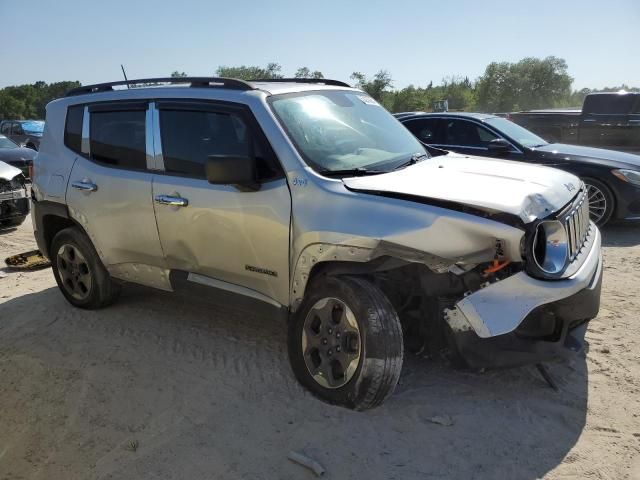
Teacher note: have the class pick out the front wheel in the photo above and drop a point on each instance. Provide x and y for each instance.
(601, 201)
(345, 343)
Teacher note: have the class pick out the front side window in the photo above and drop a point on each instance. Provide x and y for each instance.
(118, 138)
(189, 137)
(17, 129)
(516, 132)
(342, 130)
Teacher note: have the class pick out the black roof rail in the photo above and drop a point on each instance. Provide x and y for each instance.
(321, 81)
(231, 83)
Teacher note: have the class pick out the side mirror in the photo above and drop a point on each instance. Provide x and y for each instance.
(238, 170)
(499, 145)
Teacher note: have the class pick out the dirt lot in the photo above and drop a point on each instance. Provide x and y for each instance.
(162, 387)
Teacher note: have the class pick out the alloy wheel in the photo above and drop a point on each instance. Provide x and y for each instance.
(597, 203)
(74, 271)
(331, 343)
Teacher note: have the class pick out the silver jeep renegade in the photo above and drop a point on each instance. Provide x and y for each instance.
(310, 197)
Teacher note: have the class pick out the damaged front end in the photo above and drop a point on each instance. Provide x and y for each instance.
(14, 202)
(498, 313)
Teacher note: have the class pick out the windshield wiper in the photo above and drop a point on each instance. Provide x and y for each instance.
(354, 172)
(415, 158)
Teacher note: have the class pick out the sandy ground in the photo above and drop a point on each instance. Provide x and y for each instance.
(161, 387)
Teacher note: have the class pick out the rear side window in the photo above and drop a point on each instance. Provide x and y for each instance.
(189, 137)
(6, 129)
(612, 104)
(118, 138)
(73, 128)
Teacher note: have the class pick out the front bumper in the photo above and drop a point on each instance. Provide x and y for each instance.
(13, 204)
(522, 320)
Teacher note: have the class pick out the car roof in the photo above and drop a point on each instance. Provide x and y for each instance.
(471, 115)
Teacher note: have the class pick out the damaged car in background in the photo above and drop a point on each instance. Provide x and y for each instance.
(14, 202)
(309, 196)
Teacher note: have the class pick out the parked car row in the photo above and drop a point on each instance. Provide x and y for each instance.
(612, 178)
(26, 133)
(15, 155)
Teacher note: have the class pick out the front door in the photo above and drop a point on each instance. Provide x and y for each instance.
(109, 191)
(218, 232)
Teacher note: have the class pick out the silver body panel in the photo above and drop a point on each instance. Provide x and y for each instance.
(294, 223)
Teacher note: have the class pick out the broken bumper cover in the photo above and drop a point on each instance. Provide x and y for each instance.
(522, 320)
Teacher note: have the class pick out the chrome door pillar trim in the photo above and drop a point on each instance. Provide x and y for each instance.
(148, 137)
(158, 158)
(85, 144)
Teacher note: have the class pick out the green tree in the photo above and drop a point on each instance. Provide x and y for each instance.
(243, 72)
(377, 86)
(304, 72)
(530, 83)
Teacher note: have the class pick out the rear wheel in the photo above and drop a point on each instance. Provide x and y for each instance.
(345, 343)
(80, 274)
(601, 202)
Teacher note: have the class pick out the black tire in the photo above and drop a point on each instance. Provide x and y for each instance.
(13, 222)
(100, 289)
(380, 344)
(600, 217)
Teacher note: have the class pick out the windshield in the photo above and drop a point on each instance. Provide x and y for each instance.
(6, 143)
(33, 126)
(521, 135)
(343, 130)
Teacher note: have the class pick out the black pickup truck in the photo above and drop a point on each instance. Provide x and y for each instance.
(607, 120)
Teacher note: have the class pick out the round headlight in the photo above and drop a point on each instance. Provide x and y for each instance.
(551, 247)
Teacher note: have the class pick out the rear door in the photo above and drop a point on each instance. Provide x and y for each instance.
(219, 233)
(109, 191)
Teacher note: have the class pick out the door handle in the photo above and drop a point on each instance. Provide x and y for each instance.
(172, 200)
(85, 186)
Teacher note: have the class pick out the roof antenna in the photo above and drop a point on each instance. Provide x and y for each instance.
(125, 75)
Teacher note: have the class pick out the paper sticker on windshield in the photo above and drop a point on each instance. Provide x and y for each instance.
(366, 99)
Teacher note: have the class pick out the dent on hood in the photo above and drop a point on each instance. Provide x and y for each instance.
(535, 206)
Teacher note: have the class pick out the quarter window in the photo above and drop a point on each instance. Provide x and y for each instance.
(73, 128)
(118, 138)
(190, 137)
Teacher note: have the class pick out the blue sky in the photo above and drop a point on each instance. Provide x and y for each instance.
(416, 41)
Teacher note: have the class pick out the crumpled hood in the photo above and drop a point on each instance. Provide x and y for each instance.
(7, 172)
(524, 190)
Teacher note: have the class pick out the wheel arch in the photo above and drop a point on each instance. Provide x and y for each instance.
(321, 259)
